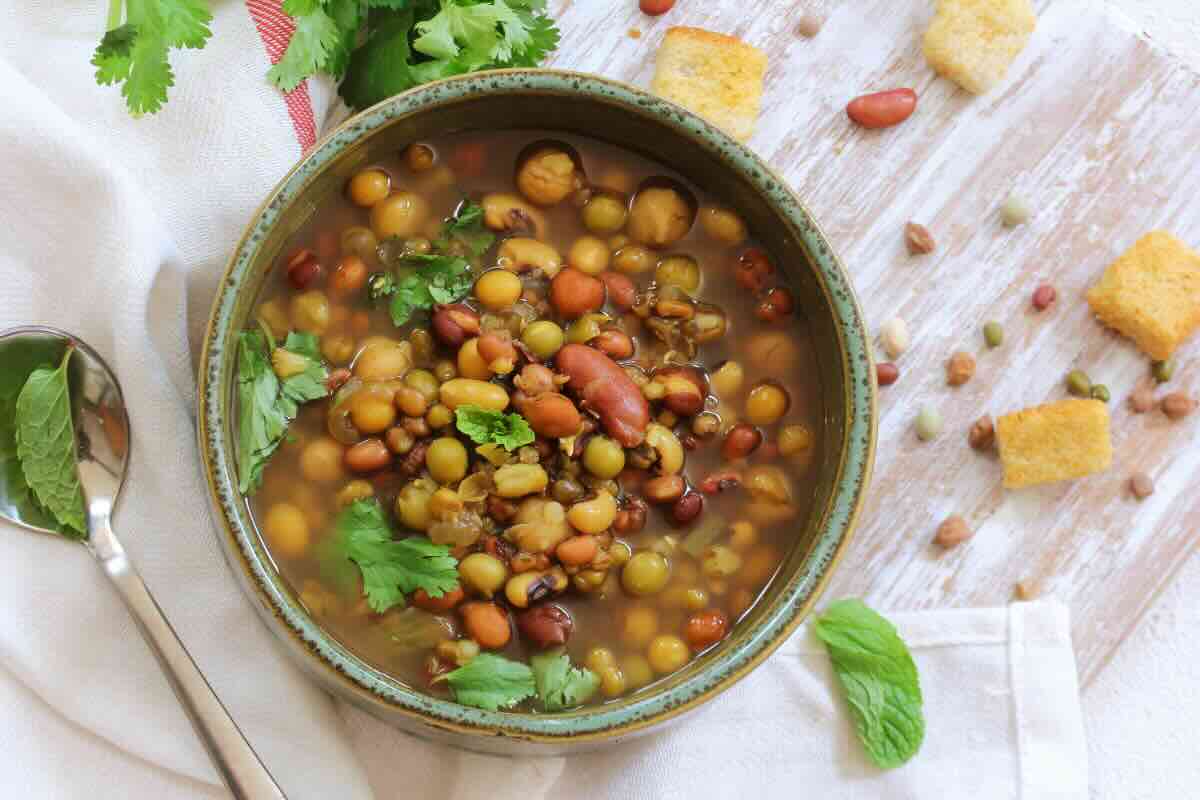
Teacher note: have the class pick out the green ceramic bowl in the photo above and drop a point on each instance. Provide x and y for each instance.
(633, 119)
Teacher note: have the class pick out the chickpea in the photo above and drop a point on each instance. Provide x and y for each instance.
(287, 530)
(543, 338)
(681, 271)
(659, 216)
(612, 682)
(439, 416)
(321, 461)
(359, 241)
(603, 457)
(400, 214)
(588, 254)
(633, 259)
(419, 157)
(423, 381)
(723, 225)
(498, 289)
(310, 312)
(667, 653)
(605, 213)
(595, 515)
(446, 460)
(483, 573)
(470, 363)
(382, 359)
(641, 623)
(337, 349)
(645, 573)
(636, 670)
(727, 380)
(368, 187)
(353, 491)
(547, 176)
(599, 658)
(412, 505)
(795, 439)
(372, 412)
(766, 403)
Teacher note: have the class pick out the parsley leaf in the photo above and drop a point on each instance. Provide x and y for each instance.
(135, 54)
(466, 229)
(559, 685)
(45, 436)
(390, 568)
(879, 679)
(491, 682)
(483, 426)
(266, 403)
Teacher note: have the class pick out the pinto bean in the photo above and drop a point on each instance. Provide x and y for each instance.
(601, 384)
(550, 414)
(574, 293)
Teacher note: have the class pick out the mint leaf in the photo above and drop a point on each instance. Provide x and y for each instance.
(491, 682)
(483, 426)
(879, 679)
(391, 569)
(559, 685)
(46, 445)
(19, 357)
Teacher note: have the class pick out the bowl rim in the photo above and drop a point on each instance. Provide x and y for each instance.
(335, 665)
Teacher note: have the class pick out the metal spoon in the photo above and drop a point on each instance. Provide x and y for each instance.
(102, 434)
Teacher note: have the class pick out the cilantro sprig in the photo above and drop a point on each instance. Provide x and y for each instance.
(391, 568)
(375, 48)
(491, 682)
(484, 426)
(559, 685)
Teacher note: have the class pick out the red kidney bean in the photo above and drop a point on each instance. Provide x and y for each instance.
(605, 388)
(741, 441)
(574, 293)
(886, 373)
(303, 269)
(776, 305)
(655, 8)
(687, 508)
(754, 269)
(883, 109)
(1044, 297)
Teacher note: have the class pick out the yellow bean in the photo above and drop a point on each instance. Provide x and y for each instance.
(468, 391)
(595, 515)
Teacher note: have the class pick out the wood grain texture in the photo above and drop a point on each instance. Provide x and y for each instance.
(1097, 128)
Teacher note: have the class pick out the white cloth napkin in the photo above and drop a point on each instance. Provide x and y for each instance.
(117, 229)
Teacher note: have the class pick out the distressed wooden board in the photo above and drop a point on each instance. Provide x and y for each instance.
(1097, 128)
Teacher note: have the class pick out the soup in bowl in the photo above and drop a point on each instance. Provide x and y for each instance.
(548, 432)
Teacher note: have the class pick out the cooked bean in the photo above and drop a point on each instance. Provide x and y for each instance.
(487, 624)
(605, 213)
(498, 289)
(723, 225)
(613, 343)
(589, 255)
(705, 628)
(547, 175)
(443, 602)
(621, 291)
(402, 214)
(321, 460)
(667, 653)
(368, 187)
(577, 551)
(595, 515)
(660, 215)
(766, 403)
(465, 391)
(574, 293)
(368, 455)
(545, 626)
(603, 457)
(543, 338)
(640, 625)
(633, 259)
(664, 488)
(551, 414)
(645, 573)
(446, 460)
(607, 390)
(522, 254)
(286, 529)
(741, 441)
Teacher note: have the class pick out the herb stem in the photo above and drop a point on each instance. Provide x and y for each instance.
(114, 13)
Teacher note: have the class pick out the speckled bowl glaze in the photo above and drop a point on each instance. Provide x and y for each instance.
(628, 117)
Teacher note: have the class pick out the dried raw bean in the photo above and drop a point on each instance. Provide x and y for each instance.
(1026, 590)
(810, 24)
(1100, 392)
(918, 239)
(1178, 405)
(1044, 297)
(654, 8)
(929, 423)
(982, 434)
(1015, 211)
(894, 337)
(1078, 383)
(1163, 370)
(993, 334)
(1142, 399)
(1141, 485)
(886, 373)
(882, 109)
(953, 531)
(960, 368)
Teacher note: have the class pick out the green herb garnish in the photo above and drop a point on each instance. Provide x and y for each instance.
(491, 682)
(390, 568)
(134, 53)
(466, 229)
(879, 679)
(483, 426)
(438, 279)
(45, 438)
(559, 685)
(267, 403)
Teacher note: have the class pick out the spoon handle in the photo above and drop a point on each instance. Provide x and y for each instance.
(239, 766)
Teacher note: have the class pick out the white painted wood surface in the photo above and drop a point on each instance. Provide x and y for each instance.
(1097, 128)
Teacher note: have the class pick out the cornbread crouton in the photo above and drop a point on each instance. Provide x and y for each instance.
(1151, 293)
(714, 75)
(972, 42)
(1054, 442)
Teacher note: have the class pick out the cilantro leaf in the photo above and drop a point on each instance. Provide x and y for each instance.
(379, 68)
(483, 426)
(466, 228)
(346, 14)
(45, 436)
(879, 679)
(491, 682)
(438, 279)
(135, 54)
(315, 37)
(267, 403)
(390, 568)
(559, 685)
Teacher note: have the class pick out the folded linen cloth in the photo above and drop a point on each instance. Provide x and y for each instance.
(117, 229)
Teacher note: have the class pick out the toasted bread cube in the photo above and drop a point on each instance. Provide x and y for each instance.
(716, 76)
(1054, 442)
(1151, 293)
(973, 42)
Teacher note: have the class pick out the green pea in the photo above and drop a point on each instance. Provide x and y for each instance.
(929, 423)
(543, 338)
(645, 573)
(603, 457)
(678, 270)
(993, 334)
(1100, 392)
(1015, 211)
(1164, 370)
(1078, 383)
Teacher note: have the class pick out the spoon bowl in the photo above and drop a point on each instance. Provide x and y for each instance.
(102, 453)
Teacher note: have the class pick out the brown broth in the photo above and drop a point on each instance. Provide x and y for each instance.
(482, 163)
